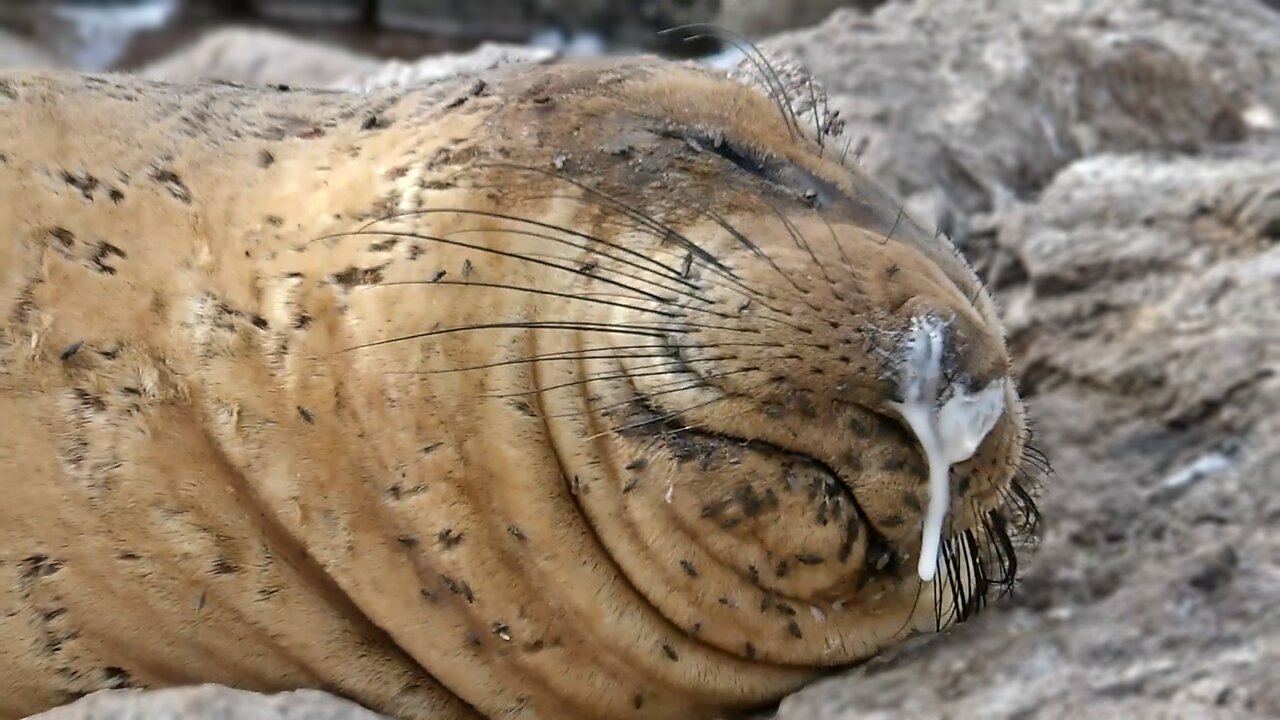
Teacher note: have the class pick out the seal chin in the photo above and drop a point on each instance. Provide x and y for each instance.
(948, 421)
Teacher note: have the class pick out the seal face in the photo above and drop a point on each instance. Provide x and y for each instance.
(596, 390)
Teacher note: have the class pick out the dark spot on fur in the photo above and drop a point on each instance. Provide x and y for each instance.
(467, 269)
(266, 159)
(259, 322)
(809, 559)
(637, 701)
(89, 401)
(439, 275)
(751, 651)
(428, 449)
(174, 184)
(307, 417)
(502, 630)
(516, 533)
(781, 569)
(793, 627)
(116, 678)
(38, 566)
(354, 276)
(748, 500)
(713, 509)
(8, 91)
(129, 556)
(689, 569)
(384, 245)
(670, 652)
(427, 595)
(638, 464)
(302, 321)
(85, 183)
(523, 408)
(115, 195)
(630, 485)
(102, 253)
(407, 541)
(448, 538)
(911, 501)
(223, 566)
(65, 237)
(71, 350)
(274, 220)
(459, 587)
(370, 123)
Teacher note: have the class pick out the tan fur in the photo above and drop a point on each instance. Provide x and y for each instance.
(218, 463)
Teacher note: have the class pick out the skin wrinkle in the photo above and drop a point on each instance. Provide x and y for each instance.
(573, 399)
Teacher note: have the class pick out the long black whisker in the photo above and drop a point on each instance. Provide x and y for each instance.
(601, 377)
(661, 230)
(581, 354)
(531, 325)
(519, 288)
(677, 413)
(552, 238)
(665, 270)
(503, 253)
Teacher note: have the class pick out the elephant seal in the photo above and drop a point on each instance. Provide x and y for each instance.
(597, 390)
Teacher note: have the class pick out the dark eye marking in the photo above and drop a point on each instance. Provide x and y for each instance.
(784, 177)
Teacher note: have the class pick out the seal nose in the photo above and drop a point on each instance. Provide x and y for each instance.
(949, 432)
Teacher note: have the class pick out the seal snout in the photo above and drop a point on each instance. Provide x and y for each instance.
(948, 421)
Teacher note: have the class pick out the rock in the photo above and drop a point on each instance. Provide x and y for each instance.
(1145, 317)
(634, 24)
(259, 57)
(759, 18)
(262, 57)
(395, 73)
(19, 53)
(208, 702)
(964, 107)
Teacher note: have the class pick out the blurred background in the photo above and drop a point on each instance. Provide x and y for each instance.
(96, 35)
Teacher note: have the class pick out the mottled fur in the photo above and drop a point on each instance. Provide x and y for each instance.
(252, 433)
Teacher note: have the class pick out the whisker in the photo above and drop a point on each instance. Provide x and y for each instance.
(676, 413)
(600, 377)
(777, 90)
(662, 231)
(552, 238)
(519, 288)
(690, 384)
(530, 325)
(569, 356)
(503, 253)
(664, 270)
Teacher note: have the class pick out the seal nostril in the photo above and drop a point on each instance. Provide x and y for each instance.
(949, 432)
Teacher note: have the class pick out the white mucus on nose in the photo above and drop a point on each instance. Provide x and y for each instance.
(949, 432)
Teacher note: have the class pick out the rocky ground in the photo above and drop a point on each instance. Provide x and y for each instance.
(1113, 169)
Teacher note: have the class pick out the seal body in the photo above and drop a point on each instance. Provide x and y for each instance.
(557, 392)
